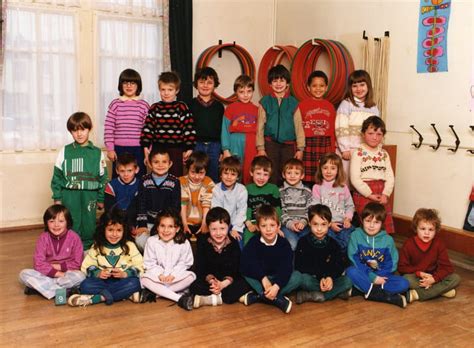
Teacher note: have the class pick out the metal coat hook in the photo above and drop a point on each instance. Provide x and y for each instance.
(471, 151)
(219, 52)
(438, 141)
(472, 128)
(457, 142)
(420, 138)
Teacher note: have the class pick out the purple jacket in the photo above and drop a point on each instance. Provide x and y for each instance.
(65, 250)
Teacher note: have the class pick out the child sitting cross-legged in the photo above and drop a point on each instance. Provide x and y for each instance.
(374, 259)
(424, 260)
(58, 256)
(168, 257)
(267, 263)
(320, 260)
(296, 198)
(217, 264)
(112, 265)
(196, 194)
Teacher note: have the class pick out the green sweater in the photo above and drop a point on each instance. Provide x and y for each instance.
(258, 196)
(79, 168)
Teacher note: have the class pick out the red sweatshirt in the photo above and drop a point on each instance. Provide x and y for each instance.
(434, 260)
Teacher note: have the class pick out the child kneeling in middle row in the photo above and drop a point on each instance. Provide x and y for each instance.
(217, 264)
(267, 263)
(320, 260)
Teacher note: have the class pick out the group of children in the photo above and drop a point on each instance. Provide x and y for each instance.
(256, 242)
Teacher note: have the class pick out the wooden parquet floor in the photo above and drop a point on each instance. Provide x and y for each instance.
(32, 321)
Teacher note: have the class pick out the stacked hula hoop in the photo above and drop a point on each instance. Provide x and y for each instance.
(303, 61)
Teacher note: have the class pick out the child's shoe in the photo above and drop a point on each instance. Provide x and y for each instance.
(412, 296)
(80, 300)
(211, 300)
(377, 294)
(147, 296)
(449, 294)
(30, 291)
(283, 303)
(345, 295)
(309, 296)
(186, 302)
(135, 298)
(250, 298)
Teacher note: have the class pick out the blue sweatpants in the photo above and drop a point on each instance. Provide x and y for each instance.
(394, 284)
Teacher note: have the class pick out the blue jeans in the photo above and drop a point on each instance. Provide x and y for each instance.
(136, 151)
(293, 237)
(213, 151)
(112, 289)
(342, 237)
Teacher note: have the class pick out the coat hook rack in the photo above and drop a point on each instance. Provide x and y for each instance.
(364, 36)
(420, 138)
(438, 140)
(472, 128)
(219, 52)
(457, 142)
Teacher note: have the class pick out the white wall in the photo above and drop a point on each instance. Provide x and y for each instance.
(425, 178)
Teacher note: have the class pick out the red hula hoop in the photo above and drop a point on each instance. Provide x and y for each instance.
(273, 56)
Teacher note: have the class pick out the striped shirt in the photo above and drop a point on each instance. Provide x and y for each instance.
(124, 122)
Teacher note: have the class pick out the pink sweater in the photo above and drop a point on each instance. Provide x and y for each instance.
(65, 250)
(124, 122)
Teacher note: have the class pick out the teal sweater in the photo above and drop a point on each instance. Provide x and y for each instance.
(79, 168)
(267, 194)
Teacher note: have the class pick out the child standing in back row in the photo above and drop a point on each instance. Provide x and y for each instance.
(280, 134)
(169, 123)
(124, 121)
(208, 112)
(424, 260)
(352, 112)
(79, 178)
(371, 170)
(239, 126)
(318, 117)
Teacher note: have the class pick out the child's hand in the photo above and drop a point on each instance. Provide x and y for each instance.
(298, 226)
(100, 206)
(112, 155)
(299, 155)
(326, 284)
(346, 155)
(280, 233)
(251, 226)
(56, 266)
(236, 235)
(140, 230)
(226, 154)
(133, 232)
(186, 155)
(57, 202)
(347, 223)
(380, 280)
(59, 274)
(105, 274)
(383, 199)
(335, 226)
(262, 153)
(374, 197)
(203, 228)
(186, 229)
(266, 283)
(272, 292)
(216, 287)
(166, 279)
(426, 280)
(118, 273)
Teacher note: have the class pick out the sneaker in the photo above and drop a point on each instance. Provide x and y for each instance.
(309, 296)
(283, 303)
(197, 301)
(186, 302)
(449, 294)
(30, 291)
(147, 296)
(80, 300)
(135, 298)
(250, 298)
(345, 295)
(411, 296)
